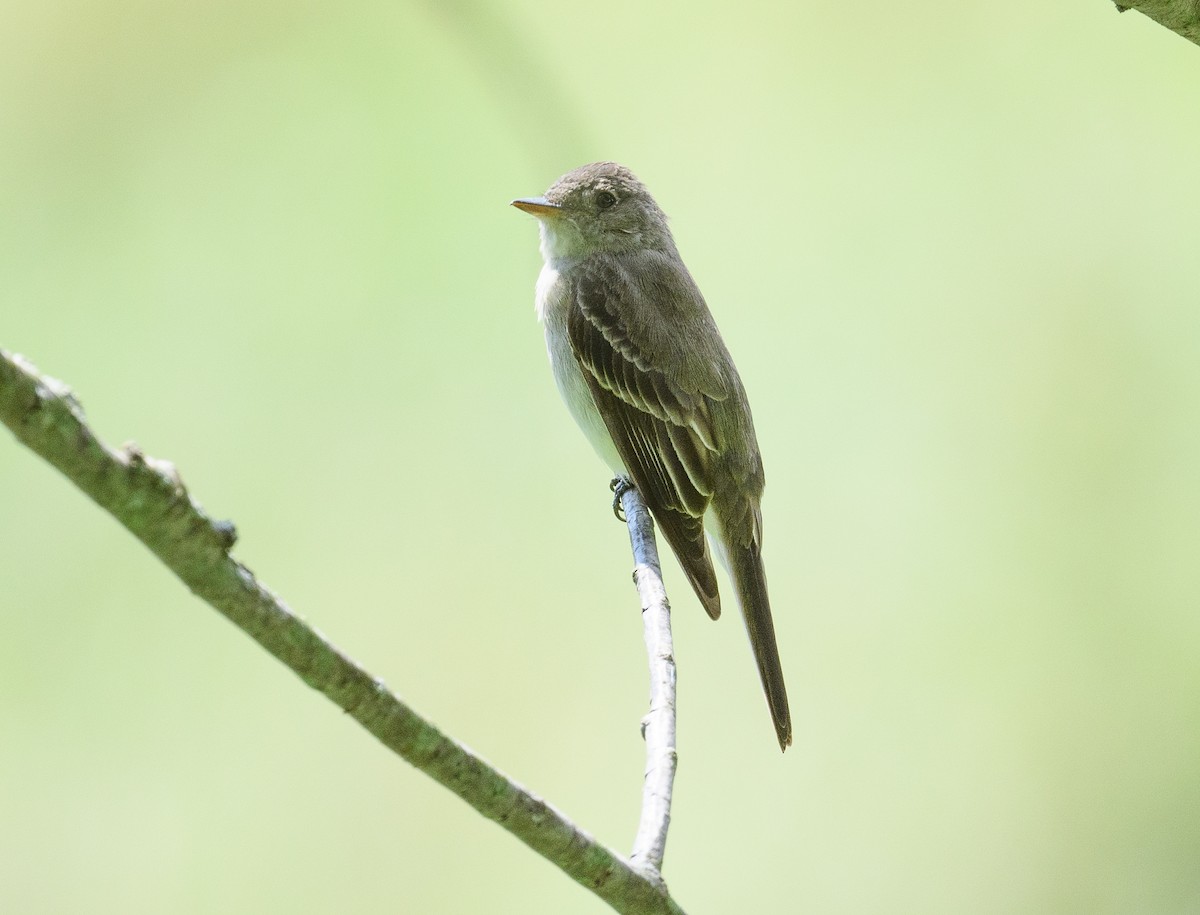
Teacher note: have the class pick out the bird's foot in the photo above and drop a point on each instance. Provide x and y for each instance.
(619, 487)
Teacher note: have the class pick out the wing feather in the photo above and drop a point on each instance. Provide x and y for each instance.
(659, 420)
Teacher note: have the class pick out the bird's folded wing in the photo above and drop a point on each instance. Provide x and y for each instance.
(659, 418)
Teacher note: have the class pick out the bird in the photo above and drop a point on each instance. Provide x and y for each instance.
(642, 368)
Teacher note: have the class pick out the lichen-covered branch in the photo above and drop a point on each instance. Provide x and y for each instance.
(1180, 16)
(149, 498)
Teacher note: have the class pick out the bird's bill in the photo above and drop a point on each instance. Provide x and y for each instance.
(537, 206)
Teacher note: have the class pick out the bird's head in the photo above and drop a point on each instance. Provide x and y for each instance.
(597, 208)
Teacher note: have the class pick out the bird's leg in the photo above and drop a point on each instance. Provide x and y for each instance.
(619, 487)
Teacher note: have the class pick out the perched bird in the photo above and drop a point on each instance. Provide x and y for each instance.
(643, 370)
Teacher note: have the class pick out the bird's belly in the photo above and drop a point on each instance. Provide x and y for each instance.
(568, 376)
(573, 388)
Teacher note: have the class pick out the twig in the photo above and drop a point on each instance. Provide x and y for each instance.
(658, 727)
(149, 498)
(1180, 16)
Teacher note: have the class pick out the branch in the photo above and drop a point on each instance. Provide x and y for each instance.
(658, 727)
(149, 498)
(1180, 16)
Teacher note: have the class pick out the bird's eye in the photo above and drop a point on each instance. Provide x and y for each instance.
(605, 199)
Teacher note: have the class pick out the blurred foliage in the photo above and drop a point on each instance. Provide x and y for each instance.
(953, 251)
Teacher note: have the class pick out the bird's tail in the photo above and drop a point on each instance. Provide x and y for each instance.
(750, 581)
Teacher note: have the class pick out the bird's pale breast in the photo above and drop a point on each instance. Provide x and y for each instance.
(553, 301)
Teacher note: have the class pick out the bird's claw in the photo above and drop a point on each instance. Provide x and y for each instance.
(619, 487)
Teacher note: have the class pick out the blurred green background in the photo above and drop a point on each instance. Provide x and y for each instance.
(953, 249)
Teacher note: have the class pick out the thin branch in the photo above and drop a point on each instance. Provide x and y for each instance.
(149, 498)
(658, 727)
(1180, 16)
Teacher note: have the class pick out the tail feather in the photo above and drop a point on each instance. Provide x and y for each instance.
(750, 582)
